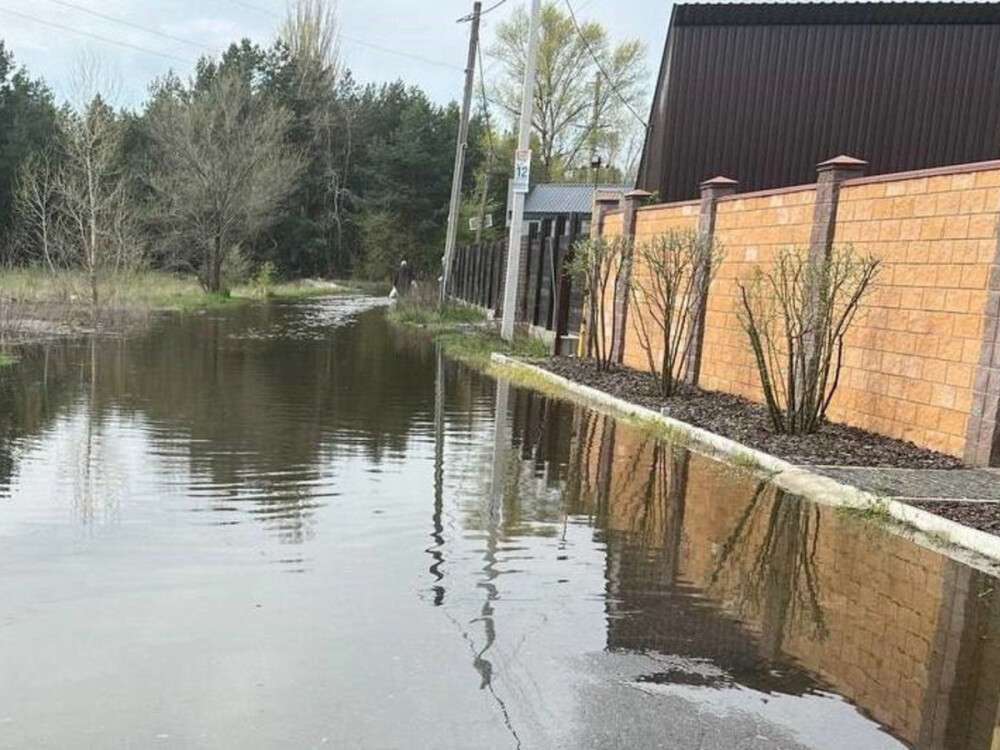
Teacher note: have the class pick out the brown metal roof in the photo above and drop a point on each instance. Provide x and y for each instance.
(762, 93)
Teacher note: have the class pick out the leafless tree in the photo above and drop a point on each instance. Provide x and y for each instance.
(599, 264)
(668, 275)
(796, 315)
(310, 33)
(223, 171)
(94, 195)
(36, 208)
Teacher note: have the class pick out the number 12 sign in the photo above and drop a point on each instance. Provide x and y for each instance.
(522, 171)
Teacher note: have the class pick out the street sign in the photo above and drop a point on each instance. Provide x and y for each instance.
(522, 171)
(474, 223)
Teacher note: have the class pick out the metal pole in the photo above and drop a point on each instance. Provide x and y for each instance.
(460, 148)
(517, 212)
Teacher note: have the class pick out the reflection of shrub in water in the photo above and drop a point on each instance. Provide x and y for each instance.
(771, 559)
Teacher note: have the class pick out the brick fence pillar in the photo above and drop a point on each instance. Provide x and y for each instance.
(831, 174)
(711, 191)
(631, 203)
(982, 438)
(604, 203)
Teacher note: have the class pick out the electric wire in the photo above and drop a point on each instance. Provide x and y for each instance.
(601, 69)
(123, 22)
(98, 37)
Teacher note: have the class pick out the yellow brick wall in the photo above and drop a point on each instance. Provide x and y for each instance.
(750, 231)
(650, 222)
(912, 354)
(911, 357)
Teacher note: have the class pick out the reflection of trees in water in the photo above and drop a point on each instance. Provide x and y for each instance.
(256, 422)
(769, 561)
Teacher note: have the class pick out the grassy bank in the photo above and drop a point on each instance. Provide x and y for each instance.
(6, 360)
(148, 289)
(463, 332)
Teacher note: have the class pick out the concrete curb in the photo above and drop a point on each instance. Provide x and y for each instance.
(793, 479)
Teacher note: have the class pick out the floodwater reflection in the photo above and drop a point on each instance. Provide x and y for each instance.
(475, 565)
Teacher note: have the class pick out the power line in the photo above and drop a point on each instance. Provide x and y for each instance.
(410, 55)
(465, 19)
(601, 68)
(123, 22)
(98, 37)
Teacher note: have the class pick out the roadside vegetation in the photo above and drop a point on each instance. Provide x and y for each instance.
(463, 332)
(270, 163)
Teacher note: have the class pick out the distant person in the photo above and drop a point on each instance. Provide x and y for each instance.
(403, 281)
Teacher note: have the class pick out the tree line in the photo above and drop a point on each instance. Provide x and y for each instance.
(276, 155)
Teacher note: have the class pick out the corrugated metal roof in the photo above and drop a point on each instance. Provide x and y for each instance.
(557, 198)
(777, 14)
(762, 93)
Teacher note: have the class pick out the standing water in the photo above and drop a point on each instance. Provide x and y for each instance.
(291, 526)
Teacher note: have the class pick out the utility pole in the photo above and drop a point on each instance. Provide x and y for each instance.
(460, 148)
(517, 203)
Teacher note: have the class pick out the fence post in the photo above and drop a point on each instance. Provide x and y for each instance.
(523, 284)
(711, 191)
(604, 203)
(624, 283)
(830, 174)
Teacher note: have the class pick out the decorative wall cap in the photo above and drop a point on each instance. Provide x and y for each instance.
(842, 162)
(719, 182)
(637, 195)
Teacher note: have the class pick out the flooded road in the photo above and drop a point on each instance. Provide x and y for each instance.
(290, 526)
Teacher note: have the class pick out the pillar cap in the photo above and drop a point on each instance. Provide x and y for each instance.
(842, 162)
(637, 195)
(719, 182)
(606, 196)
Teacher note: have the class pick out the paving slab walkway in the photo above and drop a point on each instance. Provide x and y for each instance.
(970, 485)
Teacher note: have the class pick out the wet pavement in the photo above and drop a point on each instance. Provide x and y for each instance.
(291, 526)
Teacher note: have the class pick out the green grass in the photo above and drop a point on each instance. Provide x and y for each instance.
(476, 347)
(428, 315)
(6, 360)
(875, 513)
(463, 331)
(153, 290)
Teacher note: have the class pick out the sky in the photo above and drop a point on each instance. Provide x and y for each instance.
(415, 40)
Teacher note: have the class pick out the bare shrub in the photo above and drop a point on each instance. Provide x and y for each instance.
(796, 316)
(669, 276)
(599, 264)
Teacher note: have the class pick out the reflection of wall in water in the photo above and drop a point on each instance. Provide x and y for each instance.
(910, 636)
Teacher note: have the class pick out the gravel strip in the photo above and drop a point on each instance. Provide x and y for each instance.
(746, 422)
(979, 515)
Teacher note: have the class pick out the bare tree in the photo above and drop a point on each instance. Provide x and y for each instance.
(94, 195)
(310, 33)
(796, 316)
(223, 171)
(599, 264)
(667, 279)
(36, 208)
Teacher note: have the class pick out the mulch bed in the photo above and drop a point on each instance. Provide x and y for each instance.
(747, 423)
(984, 516)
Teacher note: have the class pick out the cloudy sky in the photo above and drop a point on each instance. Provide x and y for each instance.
(416, 40)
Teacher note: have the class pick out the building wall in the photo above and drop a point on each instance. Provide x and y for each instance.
(911, 358)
